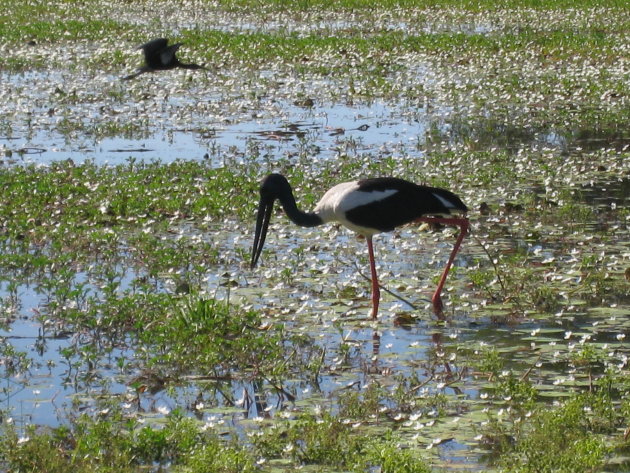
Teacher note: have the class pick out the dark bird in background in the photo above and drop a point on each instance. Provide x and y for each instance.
(159, 56)
(368, 207)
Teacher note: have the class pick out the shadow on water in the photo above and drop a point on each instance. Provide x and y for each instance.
(591, 140)
(607, 193)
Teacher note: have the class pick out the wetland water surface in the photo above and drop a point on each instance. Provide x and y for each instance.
(113, 303)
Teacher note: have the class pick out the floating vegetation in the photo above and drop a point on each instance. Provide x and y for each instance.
(133, 334)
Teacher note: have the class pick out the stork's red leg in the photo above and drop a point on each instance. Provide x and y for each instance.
(376, 292)
(463, 224)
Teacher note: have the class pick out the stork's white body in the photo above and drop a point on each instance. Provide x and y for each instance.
(342, 198)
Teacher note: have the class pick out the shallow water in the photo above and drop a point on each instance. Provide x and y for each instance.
(51, 116)
(378, 352)
(309, 280)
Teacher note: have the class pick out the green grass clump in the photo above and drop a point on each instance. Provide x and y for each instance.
(376, 52)
(559, 440)
(177, 336)
(328, 440)
(205, 335)
(114, 443)
(88, 197)
(575, 434)
(58, 30)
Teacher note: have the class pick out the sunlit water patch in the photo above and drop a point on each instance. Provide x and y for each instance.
(50, 116)
(61, 121)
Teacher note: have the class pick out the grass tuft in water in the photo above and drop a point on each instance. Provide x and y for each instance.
(113, 442)
(329, 440)
(206, 336)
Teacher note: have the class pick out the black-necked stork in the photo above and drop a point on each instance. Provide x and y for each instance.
(368, 207)
(159, 56)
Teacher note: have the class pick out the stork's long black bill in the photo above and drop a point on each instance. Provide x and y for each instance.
(262, 224)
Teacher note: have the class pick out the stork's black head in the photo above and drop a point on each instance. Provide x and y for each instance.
(272, 187)
(276, 186)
